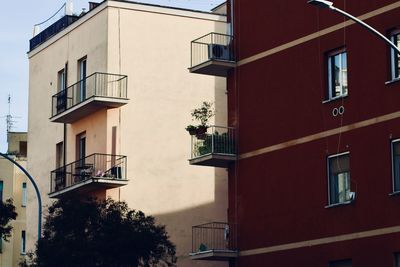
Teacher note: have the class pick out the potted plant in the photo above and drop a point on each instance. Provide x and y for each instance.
(202, 115)
(191, 129)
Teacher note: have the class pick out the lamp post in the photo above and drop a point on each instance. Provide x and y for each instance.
(36, 190)
(329, 4)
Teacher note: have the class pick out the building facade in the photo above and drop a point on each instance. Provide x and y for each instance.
(109, 99)
(313, 99)
(13, 185)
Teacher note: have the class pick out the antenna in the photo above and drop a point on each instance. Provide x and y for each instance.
(9, 118)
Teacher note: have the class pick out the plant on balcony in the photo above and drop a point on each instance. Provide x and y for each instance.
(100, 233)
(217, 143)
(202, 115)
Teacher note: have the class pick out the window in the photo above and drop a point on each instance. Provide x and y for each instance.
(61, 83)
(341, 263)
(394, 56)
(23, 242)
(1, 190)
(23, 148)
(59, 154)
(396, 165)
(339, 179)
(80, 146)
(23, 195)
(397, 259)
(82, 79)
(337, 74)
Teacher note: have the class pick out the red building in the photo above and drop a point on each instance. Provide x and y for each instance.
(314, 101)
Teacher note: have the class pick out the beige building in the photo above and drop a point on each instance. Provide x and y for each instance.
(110, 96)
(13, 184)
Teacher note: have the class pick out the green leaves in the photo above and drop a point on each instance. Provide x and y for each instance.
(7, 213)
(102, 233)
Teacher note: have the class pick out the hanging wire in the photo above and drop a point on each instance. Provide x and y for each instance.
(342, 100)
(63, 6)
(321, 74)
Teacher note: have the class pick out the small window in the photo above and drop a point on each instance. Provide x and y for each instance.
(1, 190)
(59, 154)
(397, 259)
(341, 263)
(396, 165)
(23, 195)
(394, 56)
(337, 74)
(23, 242)
(339, 179)
(23, 148)
(61, 80)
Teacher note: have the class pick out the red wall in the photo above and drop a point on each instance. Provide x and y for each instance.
(280, 197)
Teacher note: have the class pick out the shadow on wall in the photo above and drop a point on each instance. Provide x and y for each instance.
(180, 222)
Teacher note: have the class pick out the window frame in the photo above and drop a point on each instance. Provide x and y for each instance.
(392, 143)
(396, 256)
(23, 242)
(1, 189)
(330, 204)
(346, 262)
(24, 195)
(394, 72)
(329, 56)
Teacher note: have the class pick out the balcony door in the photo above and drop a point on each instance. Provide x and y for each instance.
(82, 79)
(81, 147)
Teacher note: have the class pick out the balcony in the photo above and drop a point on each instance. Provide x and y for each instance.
(214, 241)
(92, 173)
(52, 30)
(97, 91)
(215, 148)
(212, 54)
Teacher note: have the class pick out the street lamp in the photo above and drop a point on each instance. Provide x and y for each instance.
(329, 4)
(36, 190)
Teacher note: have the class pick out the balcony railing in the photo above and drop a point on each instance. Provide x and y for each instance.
(52, 30)
(214, 241)
(212, 54)
(108, 88)
(216, 147)
(101, 167)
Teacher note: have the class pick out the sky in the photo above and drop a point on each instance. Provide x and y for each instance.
(16, 29)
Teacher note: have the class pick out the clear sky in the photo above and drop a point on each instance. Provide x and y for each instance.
(16, 28)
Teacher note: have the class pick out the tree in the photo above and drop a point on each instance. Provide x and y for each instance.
(101, 233)
(7, 213)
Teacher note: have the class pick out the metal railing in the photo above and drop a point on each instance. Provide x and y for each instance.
(216, 140)
(102, 166)
(215, 236)
(52, 30)
(97, 84)
(213, 46)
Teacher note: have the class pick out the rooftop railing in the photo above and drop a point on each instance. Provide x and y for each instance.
(52, 30)
(213, 46)
(216, 140)
(97, 84)
(215, 236)
(102, 166)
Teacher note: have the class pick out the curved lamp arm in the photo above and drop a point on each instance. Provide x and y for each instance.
(329, 4)
(36, 190)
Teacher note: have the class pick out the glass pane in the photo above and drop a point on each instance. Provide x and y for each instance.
(397, 259)
(339, 179)
(396, 166)
(396, 58)
(343, 263)
(338, 74)
(1, 190)
(339, 164)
